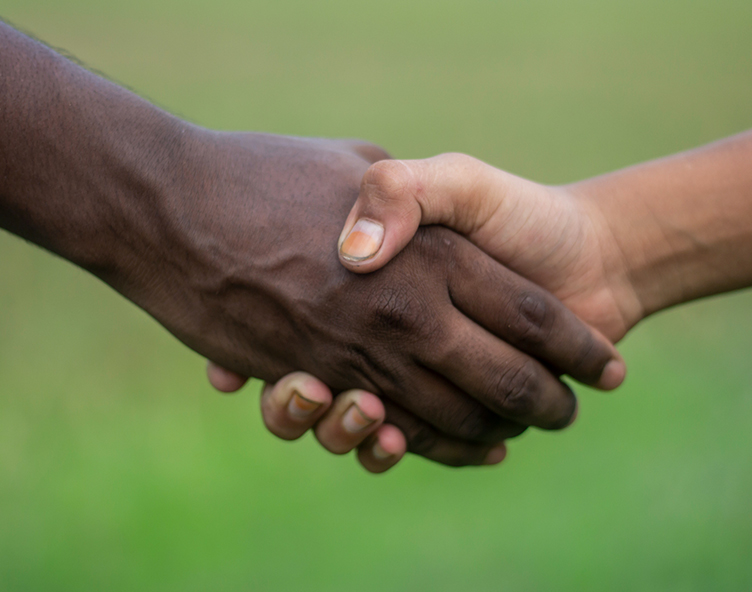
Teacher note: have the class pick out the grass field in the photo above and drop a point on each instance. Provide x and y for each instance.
(120, 469)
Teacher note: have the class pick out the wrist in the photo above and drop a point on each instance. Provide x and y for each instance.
(648, 260)
(619, 256)
(682, 224)
(83, 162)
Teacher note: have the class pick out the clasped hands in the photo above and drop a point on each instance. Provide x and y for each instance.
(444, 341)
(443, 319)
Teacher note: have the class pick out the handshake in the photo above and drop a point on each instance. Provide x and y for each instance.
(463, 332)
(442, 320)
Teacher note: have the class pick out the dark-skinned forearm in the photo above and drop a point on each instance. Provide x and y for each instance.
(81, 159)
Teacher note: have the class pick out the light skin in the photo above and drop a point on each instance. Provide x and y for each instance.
(615, 249)
(228, 240)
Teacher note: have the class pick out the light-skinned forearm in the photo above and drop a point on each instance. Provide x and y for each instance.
(683, 223)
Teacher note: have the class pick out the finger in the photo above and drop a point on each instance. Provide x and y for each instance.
(292, 406)
(530, 318)
(397, 196)
(424, 440)
(451, 411)
(352, 418)
(502, 378)
(383, 449)
(224, 380)
(463, 193)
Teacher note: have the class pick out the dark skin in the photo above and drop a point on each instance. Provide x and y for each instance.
(229, 241)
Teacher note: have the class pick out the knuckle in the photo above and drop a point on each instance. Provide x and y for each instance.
(517, 389)
(394, 309)
(533, 319)
(389, 180)
(475, 424)
(464, 163)
(436, 245)
(422, 440)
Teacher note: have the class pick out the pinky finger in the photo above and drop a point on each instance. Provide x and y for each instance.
(382, 450)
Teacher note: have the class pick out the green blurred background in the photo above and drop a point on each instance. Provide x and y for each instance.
(120, 469)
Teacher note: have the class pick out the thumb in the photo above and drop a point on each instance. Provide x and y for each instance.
(398, 196)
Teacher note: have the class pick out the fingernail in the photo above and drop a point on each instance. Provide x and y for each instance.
(301, 408)
(379, 453)
(495, 455)
(363, 241)
(355, 421)
(613, 375)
